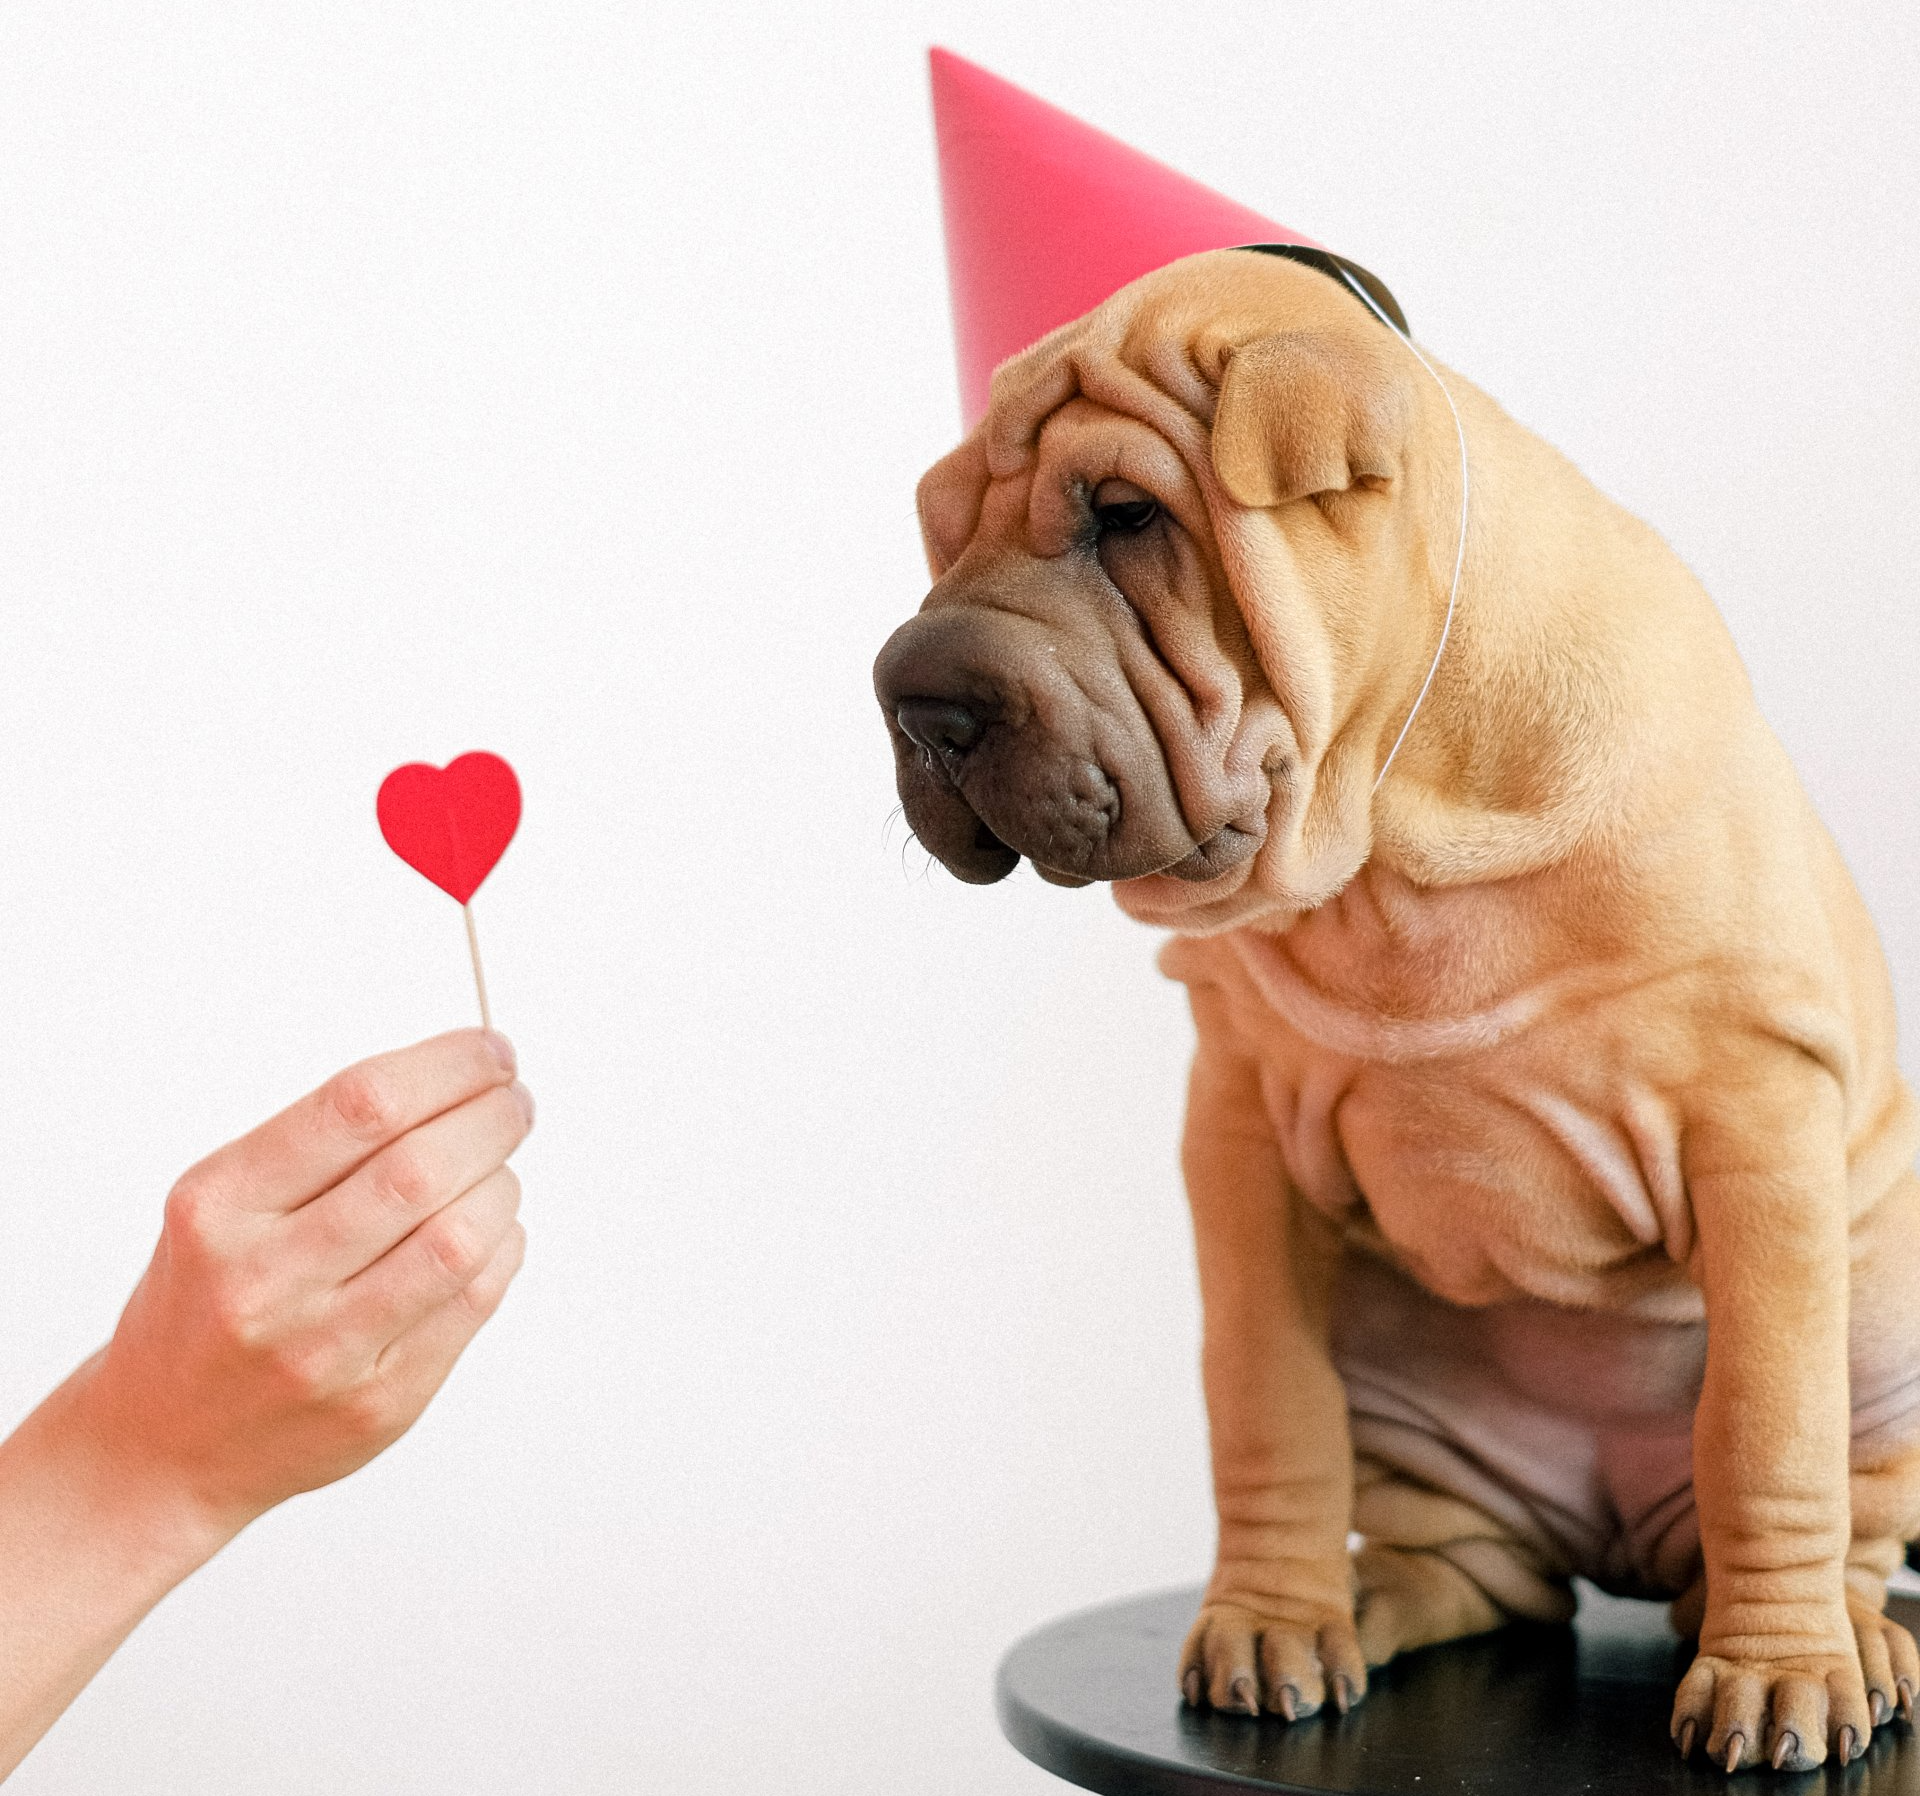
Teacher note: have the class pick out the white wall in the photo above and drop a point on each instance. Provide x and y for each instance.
(381, 381)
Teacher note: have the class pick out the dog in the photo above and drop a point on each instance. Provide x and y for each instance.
(1551, 1173)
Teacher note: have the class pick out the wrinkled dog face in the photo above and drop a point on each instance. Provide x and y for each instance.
(1178, 592)
(1073, 646)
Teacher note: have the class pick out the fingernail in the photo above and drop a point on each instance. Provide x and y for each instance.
(1876, 1707)
(1785, 1747)
(1244, 1695)
(502, 1050)
(1191, 1689)
(1849, 1745)
(526, 1099)
(1734, 1743)
(1687, 1731)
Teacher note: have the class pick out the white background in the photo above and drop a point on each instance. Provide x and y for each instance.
(382, 381)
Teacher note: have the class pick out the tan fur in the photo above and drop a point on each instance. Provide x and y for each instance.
(1549, 1163)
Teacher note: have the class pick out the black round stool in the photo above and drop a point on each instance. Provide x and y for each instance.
(1528, 1711)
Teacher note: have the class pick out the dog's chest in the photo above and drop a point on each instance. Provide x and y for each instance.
(1527, 1148)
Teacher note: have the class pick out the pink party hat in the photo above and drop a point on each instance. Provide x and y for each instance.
(1046, 217)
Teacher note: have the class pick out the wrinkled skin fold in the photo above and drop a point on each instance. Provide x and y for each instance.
(1550, 1167)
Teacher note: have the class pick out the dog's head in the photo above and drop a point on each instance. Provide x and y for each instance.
(1189, 574)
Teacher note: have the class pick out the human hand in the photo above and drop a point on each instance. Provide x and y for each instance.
(313, 1285)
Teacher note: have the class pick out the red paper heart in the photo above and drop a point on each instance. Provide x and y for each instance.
(451, 823)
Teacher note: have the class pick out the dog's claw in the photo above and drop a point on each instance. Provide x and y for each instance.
(1906, 1698)
(1288, 1703)
(1343, 1693)
(1190, 1689)
(1784, 1748)
(1685, 1742)
(1849, 1746)
(1245, 1698)
(1735, 1743)
(1877, 1710)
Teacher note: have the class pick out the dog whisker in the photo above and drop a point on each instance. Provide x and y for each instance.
(912, 842)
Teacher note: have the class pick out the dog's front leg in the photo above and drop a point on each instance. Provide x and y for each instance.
(1778, 1673)
(1275, 1630)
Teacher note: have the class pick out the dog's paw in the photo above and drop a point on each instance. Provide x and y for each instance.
(1248, 1663)
(1889, 1661)
(1788, 1713)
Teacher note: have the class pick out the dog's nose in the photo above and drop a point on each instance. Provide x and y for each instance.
(939, 724)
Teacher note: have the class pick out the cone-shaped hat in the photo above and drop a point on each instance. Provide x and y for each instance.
(1046, 217)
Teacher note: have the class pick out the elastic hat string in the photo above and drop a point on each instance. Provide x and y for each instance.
(1460, 550)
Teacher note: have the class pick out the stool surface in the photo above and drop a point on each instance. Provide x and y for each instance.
(1528, 1711)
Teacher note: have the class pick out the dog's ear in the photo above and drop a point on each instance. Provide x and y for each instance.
(1303, 412)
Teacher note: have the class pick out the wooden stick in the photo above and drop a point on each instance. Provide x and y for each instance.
(479, 978)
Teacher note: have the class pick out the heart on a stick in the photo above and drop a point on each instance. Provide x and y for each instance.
(451, 823)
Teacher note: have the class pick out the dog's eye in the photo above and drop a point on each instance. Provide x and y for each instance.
(1119, 505)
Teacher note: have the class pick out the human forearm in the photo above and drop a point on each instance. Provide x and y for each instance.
(88, 1544)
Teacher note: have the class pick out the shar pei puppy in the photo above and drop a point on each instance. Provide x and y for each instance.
(1550, 1169)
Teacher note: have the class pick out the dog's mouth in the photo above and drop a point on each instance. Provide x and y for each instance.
(995, 859)
(1057, 876)
(1229, 848)
(949, 824)
(1010, 744)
